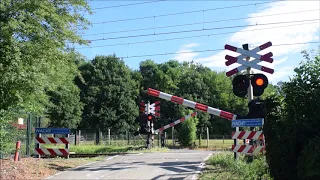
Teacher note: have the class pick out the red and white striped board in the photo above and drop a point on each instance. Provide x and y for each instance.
(191, 104)
(247, 135)
(251, 53)
(53, 152)
(248, 149)
(51, 140)
(175, 122)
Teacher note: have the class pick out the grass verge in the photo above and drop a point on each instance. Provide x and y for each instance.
(34, 168)
(103, 149)
(223, 166)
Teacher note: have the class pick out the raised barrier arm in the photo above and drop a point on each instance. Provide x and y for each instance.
(192, 104)
(175, 122)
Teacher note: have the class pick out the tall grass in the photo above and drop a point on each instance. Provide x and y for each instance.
(223, 166)
(101, 149)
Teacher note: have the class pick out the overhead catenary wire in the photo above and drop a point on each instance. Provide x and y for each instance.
(198, 30)
(209, 50)
(124, 5)
(179, 13)
(197, 23)
(188, 37)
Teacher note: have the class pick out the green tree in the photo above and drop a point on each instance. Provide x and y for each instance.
(164, 77)
(108, 93)
(292, 123)
(34, 53)
(33, 50)
(65, 109)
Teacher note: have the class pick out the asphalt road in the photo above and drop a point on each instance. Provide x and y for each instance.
(174, 164)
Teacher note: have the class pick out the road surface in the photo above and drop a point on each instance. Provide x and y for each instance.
(174, 164)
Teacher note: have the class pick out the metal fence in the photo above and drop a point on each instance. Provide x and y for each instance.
(87, 137)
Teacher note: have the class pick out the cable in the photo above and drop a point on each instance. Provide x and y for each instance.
(161, 54)
(188, 37)
(209, 50)
(122, 5)
(179, 13)
(196, 30)
(206, 22)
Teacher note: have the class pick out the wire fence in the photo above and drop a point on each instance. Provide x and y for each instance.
(88, 137)
(85, 137)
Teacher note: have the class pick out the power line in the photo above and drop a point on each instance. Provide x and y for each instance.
(179, 13)
(210, 50)
(188, 37)
(197, 30)
(123, 5)
(205, 22)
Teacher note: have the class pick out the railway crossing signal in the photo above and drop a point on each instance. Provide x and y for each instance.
(241, 84)
(148, 108)
(252, 64)
(148, 114)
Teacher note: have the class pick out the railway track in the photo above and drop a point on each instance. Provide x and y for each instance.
(95, 155)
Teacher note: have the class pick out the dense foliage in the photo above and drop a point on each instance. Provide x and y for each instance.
(35, 59)
(292, 124)
(108, 91)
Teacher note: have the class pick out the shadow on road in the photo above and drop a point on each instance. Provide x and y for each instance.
(58, 167)
(177, 167)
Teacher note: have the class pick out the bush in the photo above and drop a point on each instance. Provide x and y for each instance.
(292, 121)
(188, 132)
(308, 163)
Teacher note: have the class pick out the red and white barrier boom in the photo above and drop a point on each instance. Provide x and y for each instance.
(175, 122)
(191, 104)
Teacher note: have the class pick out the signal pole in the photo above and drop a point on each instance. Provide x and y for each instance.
(250, 90)
(250, 94)
(148, 126)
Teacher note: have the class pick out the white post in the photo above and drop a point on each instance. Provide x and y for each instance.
(172, 130)
(207, 137)
(159, 139)
(165, 138)
(149, 126)
(109, 136)
(79, 137)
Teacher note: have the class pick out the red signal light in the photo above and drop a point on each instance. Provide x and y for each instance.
(149, 118)
(259, 81)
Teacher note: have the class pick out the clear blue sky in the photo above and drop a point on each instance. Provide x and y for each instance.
(167, 7)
